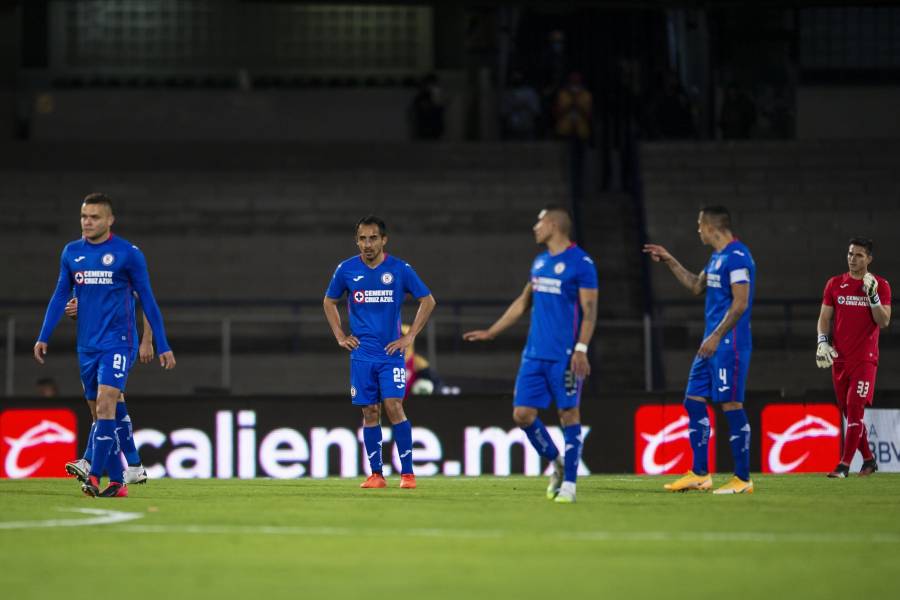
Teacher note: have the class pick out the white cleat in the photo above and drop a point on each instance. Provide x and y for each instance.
(556, 478)
(136, 474)
(79, 469)
(566, 493)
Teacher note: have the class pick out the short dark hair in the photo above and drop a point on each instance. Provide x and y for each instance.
(718, 216)
(863, 243)
(371, 220)
(565, 219)
(98, 198)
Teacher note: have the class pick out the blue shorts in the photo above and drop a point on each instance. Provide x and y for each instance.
(107, 367)
(721, 377)
(373, 382)
(540, 381)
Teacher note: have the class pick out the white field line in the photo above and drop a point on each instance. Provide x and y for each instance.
(102, 517)
(761, 537)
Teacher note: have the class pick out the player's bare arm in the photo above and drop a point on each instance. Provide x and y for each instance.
(696, 283)
(426, 306)
(512, 314)
(349, 342)
(145, 350)
(741, 298)
(579, 364)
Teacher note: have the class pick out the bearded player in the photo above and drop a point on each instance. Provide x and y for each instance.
(859, 305)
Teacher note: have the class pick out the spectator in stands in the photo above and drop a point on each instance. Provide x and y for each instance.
(574, 110)
(672, 115)
(427, 110)
(46, 387)
(519, 109)
(738, 114)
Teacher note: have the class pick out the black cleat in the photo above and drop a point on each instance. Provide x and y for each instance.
(868, 467)
(840, 472)
(91, 486)
(115, 490)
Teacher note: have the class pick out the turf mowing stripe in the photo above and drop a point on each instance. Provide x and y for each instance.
(598, 536)
(104, 517)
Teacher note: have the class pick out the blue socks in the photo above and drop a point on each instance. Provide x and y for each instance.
(739, 438)
(572, 436)
(698, 432)
(106, 451)
(89, 449)
(125, 433)
(540, 439)
(372, 441)
(403, 440)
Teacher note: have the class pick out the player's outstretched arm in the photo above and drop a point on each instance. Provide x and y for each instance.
(334, 321)
(426, 306)
(696, 283)
(512, 314)
(825, 353)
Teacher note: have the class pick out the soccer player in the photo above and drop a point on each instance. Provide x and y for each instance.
(376, 285)
(719, 371)
(103, 270)
(562, 295)
(134, 471)
(859, 303)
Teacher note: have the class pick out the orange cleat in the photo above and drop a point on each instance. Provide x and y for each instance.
(375, 480)
(408, 481)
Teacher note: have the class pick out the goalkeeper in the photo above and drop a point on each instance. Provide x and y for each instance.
(859, 304)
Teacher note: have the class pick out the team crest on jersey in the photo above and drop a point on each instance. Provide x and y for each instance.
(108, 259)
(79, 277)
(359, 297)
(559, 267)
(718, 264)
(387, 278)
(841, 300)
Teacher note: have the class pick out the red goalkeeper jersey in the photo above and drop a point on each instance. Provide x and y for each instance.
(854, 333)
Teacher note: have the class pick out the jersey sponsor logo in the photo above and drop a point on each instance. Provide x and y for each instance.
(853, 301)
(387, 278)
(93, 277)
(738, 252)
(713, 280)
(548, 285)
(843, 285)
(373, 296)
(539, 264)
(662, 440)
(36, 443)
(799, 438)
(559, 267)
(80, 258)
(108, 259)
(358, 277)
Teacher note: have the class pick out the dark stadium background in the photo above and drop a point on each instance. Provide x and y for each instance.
(241, 140)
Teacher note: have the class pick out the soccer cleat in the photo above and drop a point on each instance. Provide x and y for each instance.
(736, 485)
(868, 467)
(556, 478)
(91, 486)
(840, 472)
(115, 490)
(136, 474)
(566, 494)
(375, 480)
(408, 481)
(690, 481)
(79, 469)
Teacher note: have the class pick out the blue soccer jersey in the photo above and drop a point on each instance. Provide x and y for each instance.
(374, 299)
(734, 264)
(556, 310)
(104, 278)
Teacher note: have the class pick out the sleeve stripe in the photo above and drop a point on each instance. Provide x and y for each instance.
(740, 276)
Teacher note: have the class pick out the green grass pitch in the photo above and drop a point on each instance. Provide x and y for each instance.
(798, 536)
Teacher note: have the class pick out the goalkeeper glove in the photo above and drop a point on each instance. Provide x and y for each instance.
(825, 353)
(870, 287)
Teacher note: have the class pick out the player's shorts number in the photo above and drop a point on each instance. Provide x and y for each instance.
(119, 362)
(723, 375)
(862, 388)
(399, 375)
